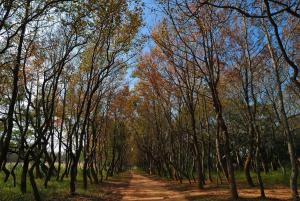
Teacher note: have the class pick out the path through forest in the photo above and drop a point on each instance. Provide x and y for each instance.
(133, 186)
(140, 188)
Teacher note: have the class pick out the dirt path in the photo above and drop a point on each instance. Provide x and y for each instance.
(140, 188)
(132, 186)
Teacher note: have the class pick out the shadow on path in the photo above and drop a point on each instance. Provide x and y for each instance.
(114, 187)
(133, 186)
(143, 188)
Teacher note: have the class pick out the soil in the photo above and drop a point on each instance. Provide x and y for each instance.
(140, 187)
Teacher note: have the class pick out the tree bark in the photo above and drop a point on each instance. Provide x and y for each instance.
(15, 89)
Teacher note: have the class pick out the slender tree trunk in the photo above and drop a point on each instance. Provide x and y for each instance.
(24, 175)
(34, 187)
(84, 172)
(224, 130)
(220, 159)
(73, 175)
(94, 174)
(247, 163)
(60, 135)
(15, 89)
(6, 172)
(209, 163)
(197, 149)
(259, 179)
(232, 182)
(49, 173)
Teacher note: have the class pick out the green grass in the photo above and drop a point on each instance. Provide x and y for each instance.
(55, 188)
(271, 178)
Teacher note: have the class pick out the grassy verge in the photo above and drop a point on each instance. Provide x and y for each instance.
(56, 189)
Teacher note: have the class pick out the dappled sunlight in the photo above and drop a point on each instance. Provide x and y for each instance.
(144, 188)
(139, 186)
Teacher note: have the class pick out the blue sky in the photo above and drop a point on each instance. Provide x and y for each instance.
(151, 17)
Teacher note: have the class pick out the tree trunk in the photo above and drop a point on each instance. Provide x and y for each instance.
(24, 175)
(259, 179)
(231, 176)
(247, 169)
(10, 114)
(73, 175)
(84, 173)
(94, 174)
(34, 187)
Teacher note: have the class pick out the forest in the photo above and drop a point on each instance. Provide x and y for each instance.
(95, 105)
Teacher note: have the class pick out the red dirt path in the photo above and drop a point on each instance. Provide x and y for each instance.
(139, 187)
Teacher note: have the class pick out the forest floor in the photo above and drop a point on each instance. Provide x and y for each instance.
(136, 186)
